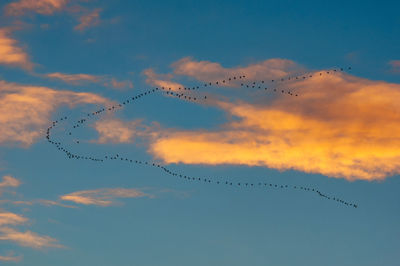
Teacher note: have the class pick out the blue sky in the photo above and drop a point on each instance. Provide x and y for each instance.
(339, 135)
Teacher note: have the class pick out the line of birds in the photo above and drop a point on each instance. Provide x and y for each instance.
(261, 84)
(212, 180)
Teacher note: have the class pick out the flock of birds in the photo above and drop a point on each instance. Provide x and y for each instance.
(183, 94)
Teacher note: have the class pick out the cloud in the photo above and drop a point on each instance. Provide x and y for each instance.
(9, 181)
(77, 79)
(121, 84)
(11, 218)
(52, 203)
(28, 238)
(395, 65)
(89, 20)
(102, 197)
(43, 202)
(74, 78)
(117, 131)
(44, 7)
(161, 80)
(340, 126)
(211, 71)
(9, 257)
(25, 110)
(10, 53)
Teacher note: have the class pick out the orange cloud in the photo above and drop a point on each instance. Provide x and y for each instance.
(9, 181)
(74, 78)
(28, 238)
(89, 20)
(211, 71)
(25, 111)
(161, 80)
(102, 197)
(44, 7)
(340, 126)
(11, 218)
(10, 53)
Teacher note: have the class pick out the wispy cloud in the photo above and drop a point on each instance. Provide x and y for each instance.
(121, 84)
(9, 218)
(44, 7)
(10, 257)
(43, 202)
(114, 130)
(10, 52)
(211, 71)
(161, 80)
(28, 238)
(102, 197)
(25, 110)
(89, 20)
(81, 78)
(74, 78)
(9, 181)
(52, 203)
(395, 66)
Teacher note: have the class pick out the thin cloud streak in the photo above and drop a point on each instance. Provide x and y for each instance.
(10, 257)
(74, 78)
(28, 238)
(102, 197)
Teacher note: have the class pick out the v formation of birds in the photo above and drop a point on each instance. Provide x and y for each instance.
(184, 94)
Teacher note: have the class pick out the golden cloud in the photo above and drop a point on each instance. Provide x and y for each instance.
(25, 110)
(340, 126)
(10, 53)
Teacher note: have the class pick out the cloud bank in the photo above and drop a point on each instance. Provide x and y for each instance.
(341, 126)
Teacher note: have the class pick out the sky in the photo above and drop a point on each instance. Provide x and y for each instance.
(199, 133)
